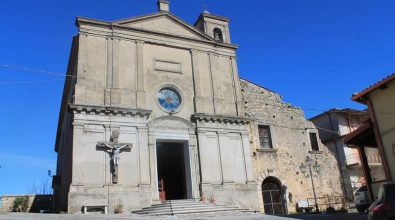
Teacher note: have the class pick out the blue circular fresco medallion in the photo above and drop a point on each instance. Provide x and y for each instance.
(169, 99)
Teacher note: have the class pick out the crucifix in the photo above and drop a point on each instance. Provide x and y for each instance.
(114, 148)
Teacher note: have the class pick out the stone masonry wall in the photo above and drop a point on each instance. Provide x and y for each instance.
(36, 203)
(290, 145)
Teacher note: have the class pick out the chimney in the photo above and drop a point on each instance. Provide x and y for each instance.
(163, 5)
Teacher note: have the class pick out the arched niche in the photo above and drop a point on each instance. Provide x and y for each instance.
(172, 124)
(218, 35)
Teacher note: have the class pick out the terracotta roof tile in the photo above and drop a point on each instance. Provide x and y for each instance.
(358, 96)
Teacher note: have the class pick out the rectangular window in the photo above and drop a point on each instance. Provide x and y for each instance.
(264, 136)
(314, 142)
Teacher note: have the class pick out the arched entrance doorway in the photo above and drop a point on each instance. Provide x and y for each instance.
(272, 196)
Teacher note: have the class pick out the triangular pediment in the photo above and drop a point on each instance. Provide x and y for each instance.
(164, 23)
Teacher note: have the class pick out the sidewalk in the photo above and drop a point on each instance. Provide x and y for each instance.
(339, 216)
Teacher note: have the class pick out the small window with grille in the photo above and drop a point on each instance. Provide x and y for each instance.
(264, 137)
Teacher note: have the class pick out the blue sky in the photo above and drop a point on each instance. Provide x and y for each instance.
(315, 53)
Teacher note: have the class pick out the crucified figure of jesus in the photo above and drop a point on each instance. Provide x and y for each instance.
(115, 152)
(114, 148)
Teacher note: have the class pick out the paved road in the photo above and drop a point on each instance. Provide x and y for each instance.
(230, 216)
(342, 216)
(28, 216)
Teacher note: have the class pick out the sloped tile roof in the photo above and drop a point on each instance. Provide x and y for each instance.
(358, 96)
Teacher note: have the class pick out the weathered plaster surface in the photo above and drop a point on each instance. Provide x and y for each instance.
(290, 139)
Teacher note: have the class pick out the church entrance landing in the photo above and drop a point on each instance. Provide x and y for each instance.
(174, 169)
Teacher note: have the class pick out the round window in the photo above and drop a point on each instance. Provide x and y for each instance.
(169, 99)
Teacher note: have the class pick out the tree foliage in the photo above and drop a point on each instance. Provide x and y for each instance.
(20, 204)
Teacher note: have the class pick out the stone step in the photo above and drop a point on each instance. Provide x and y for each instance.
(177, 204)
(187, 208)
(178, 207)
(185, 211)
(184, 205)
(179, 200)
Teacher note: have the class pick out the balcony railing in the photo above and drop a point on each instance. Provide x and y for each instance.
(374, 159)
(352, 159)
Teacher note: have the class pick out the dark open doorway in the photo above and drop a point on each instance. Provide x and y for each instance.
(272, 196)
(172, 169)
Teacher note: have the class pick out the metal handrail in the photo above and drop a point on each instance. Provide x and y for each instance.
(328, 201)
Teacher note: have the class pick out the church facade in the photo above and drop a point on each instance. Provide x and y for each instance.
(169, 94)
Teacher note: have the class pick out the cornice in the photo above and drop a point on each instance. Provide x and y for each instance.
(220, 119)
(208, 15)
(221, 18)
(109, 110)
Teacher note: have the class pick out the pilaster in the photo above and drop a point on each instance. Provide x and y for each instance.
(115, 91)
(194, 158)
(153, 166)
(107, 91)
(79, 95)
(239, 102)
(82, 56)
(199, 105)
(216, 85)
(227, 175)
(144, 153)
(140, 94)
(78, 133)
(247, 157)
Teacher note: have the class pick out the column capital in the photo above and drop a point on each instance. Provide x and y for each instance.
(142, 129)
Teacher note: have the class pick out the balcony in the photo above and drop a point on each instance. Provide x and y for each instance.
(374, 160)
(353, 159)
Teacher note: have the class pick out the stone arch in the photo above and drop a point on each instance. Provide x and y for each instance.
(171, 122)
(273, 196)
(283, 187)
(218, 35)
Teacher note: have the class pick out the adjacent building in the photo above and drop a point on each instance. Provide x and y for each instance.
(333, 126)
(378, 132)
(152, 103)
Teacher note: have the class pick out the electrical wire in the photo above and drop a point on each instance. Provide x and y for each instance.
(29, 82)
(27, 69)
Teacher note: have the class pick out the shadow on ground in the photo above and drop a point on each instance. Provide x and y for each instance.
(339, 216)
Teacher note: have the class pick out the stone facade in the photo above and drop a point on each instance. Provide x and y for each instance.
(116, 73)
(117, 76)
(290, 145)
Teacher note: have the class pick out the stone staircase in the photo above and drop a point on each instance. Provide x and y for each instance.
(187, 206)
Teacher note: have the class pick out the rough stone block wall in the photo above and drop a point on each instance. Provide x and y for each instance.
(36, 202)
(290, 145)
